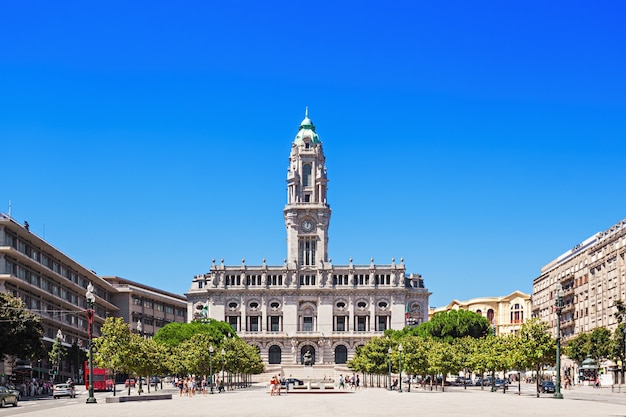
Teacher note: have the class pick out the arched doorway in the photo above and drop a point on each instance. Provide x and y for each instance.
(341, 354)
(274, 356)
(305, 349)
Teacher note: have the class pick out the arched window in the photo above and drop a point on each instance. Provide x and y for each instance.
(517, 314)
(490, 315)
(274, 354)
(341, 354)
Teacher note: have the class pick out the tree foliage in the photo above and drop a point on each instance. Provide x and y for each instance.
(453, 324)
(20, 330)
(173, 334)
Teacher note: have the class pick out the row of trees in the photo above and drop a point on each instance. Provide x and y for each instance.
(457, 342)
(176, 349)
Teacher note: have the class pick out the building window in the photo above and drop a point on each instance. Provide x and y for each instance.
(517, 314)
(340, 324)
(306, 175)
(341, 354)
(382, 323)
(147, 303)
(306, 251)
(490, 315)
(275, 323)
(307, 279)
(307, 324)
(254, 324)
(274, 355)
(361, 324)
(232, 320)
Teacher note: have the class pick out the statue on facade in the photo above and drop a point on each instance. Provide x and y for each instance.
(307, 359)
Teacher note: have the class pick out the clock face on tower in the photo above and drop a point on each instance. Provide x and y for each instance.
(307, 225)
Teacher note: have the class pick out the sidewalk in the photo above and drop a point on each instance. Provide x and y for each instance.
(366, 402)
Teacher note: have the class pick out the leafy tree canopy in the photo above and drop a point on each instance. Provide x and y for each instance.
(453, 324)
(20, 330)
(173, 334)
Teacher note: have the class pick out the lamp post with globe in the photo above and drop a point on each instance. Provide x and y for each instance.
(91, 298)
(558, 305)
(211, 350)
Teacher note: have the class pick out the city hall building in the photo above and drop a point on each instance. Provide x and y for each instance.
(309, 304)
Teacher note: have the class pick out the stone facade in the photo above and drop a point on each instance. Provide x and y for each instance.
(592, 275)
(308, 304)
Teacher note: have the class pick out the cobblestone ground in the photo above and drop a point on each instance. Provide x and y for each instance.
(255, 401)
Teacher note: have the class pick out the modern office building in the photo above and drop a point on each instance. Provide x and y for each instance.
(53, 286)
(153, 308)
(309, 304)
(592, 276)
(506, 314)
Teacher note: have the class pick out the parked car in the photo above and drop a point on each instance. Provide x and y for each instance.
(294, 381)
(63, 390)
(129, 382)
(7, 397)
(501, 383)
(15, 391)
(483, 381)
(154, 381)
(547, 386)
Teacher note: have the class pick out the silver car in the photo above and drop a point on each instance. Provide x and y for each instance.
(63, 390)
(7, 397)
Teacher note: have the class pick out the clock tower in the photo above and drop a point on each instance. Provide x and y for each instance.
(307, 214)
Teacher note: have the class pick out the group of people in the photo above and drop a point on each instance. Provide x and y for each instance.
(190, 386)
(352, 382)
(275, 386)
(32, 387)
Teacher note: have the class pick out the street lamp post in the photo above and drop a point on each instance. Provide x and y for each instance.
(223, 363)
(400, 367)
(559, 308)
(140, 331)
(211, 350)
(389, 362)
(91, 298)
(59, 338)
(624, 360)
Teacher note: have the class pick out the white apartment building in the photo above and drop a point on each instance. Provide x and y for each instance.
(309, 303)
(592, 276)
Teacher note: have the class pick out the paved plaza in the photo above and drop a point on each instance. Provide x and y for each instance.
(255, 401)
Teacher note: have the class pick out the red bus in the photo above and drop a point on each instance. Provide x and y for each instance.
(102, 378)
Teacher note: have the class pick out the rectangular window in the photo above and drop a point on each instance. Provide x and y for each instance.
(254, 324)
(232, 320)
(341, 324)
(360, 324)
(275, 323)
(307, 324)
(147, 303)
(307, 247)
(382, 323)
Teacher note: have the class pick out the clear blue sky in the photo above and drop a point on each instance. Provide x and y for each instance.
(478, 140)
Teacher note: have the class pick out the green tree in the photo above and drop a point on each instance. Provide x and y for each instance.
(600, 342)
(579, 347)
(173, 334)
(537, 345)
(112, 348)
(453, 324)
(20, 330)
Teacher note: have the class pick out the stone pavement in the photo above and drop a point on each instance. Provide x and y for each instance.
(366, 402)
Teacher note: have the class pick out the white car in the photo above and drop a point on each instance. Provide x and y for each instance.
(63, 390)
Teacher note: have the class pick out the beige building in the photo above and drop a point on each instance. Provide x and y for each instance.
(592, 276)
(309, 303)
(505, 314)
(152, 307)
